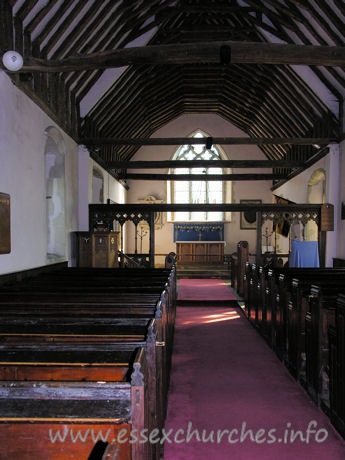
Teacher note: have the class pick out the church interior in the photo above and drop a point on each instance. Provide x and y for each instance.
(172, 221)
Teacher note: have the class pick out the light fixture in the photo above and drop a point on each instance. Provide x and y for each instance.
(12, 60)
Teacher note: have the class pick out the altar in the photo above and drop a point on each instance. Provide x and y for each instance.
(199, 242)
(200, 252)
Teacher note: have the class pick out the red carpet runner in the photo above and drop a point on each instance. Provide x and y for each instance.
(204, 289)
(225, 377)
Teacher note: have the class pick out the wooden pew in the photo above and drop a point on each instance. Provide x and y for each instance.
(292, 306)
(277, 305)
(242, 258)
(86, 307)
(323, 313)
(77, 302)
(284, 290)
(27, 312)
(304, 308)
(233, 263)
(257, 281)
(111, 281)
(270, 290)
(337, 367)
(260, 307)
(107, 281)
(249, 284)
(261, 285)
(56, 334)
(246, 277)
(298, 307)
(28, 410)
(86, 314)
(40, 342)
(310, 309)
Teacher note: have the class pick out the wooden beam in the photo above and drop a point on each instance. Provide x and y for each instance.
(201, 177)
(107, 209)
(191, 53)
(204, 140)
(204, 164)
(6, 33)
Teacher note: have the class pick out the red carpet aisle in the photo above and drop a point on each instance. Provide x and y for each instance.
(223, 375)
(204, 289)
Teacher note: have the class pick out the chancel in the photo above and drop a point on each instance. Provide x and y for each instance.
(172, 251)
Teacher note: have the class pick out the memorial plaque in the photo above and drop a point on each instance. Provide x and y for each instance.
(5, 227)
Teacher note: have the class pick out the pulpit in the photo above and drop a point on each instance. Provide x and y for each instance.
(97, 249)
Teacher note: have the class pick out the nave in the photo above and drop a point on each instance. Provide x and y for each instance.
(225, 377)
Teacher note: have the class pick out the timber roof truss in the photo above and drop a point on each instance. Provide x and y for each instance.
(263, 100)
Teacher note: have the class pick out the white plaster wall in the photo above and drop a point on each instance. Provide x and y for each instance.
(22, 175)
(112, 188)
(297, 190)
(215, 126)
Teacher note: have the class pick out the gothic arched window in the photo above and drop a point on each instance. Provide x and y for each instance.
(197, 192)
